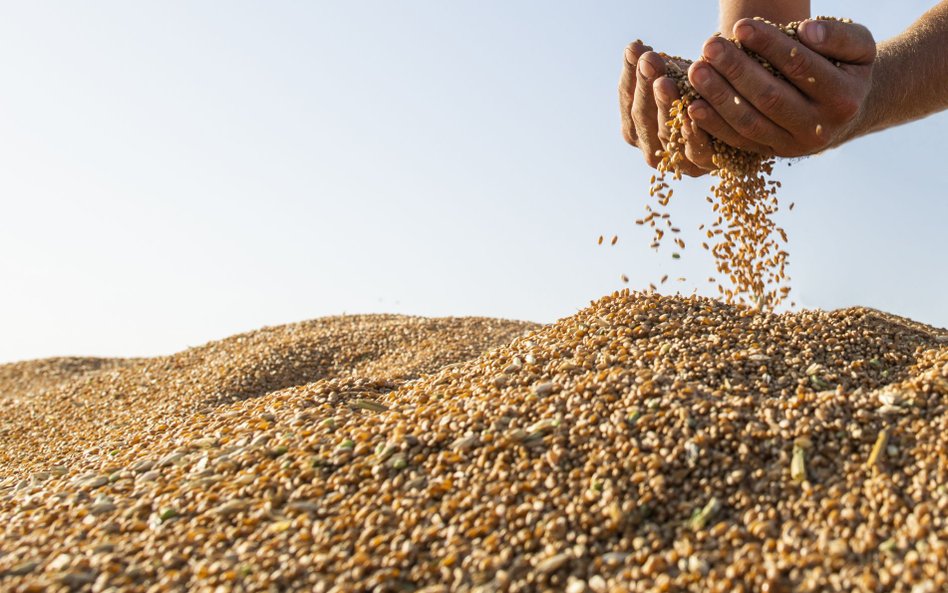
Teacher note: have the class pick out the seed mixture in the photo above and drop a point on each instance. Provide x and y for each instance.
(646, 443)
(81, 402)
(749, 248)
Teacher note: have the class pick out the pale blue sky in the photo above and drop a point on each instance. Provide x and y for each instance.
(174, 172)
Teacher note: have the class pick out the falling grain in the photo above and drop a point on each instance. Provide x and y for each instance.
(749, 252)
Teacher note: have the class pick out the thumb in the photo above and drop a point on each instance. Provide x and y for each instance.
(837, 40)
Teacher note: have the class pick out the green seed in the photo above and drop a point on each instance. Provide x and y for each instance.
(699, 519)
(367, 404)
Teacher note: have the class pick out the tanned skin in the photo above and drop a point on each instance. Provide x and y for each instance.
(818, 106)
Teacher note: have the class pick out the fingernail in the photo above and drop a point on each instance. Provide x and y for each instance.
(647, 69)
(701, 75)
(629, 56)
(744, 32)
(713, 49)
(697, 112)
(814, 31)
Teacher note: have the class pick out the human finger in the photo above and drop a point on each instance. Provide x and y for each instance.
(627, 88)
(776, 99)
(666, 93)
(846, 42)
(743, 117)
(698, 149)
(711, 122)
(644, 112)
(815, 76)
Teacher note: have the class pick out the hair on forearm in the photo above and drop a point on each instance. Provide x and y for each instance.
(910, 77)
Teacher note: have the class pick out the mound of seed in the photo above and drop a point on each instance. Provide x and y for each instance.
(55, 411)
(646, 443)
(748, 247)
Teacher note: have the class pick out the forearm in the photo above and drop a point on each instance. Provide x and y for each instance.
(775, 11)
(910, 75)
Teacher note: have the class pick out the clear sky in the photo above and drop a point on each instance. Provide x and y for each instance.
(174, 172)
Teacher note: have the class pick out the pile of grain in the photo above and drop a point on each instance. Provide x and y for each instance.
(95, 407)
(646, 443)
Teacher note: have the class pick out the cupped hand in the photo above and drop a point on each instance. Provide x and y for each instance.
(815, 106)
(645, 96)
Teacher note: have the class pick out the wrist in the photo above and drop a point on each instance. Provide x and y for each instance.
(886, 83)
(870, 116)
(787, 11)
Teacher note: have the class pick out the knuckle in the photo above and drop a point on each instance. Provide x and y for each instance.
(641, 102)
(798, 66)
(639, 117)
(770, 98)
(717, 95)
(764, 41)
(748, 124)
(731, 68)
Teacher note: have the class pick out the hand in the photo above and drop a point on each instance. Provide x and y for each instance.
(645, 96)
(816, 107)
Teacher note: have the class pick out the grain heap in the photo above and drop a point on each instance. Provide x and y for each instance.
(646, 443)
(85, 401)
(750, 247)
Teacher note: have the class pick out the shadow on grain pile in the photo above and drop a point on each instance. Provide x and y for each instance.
(646, 443)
